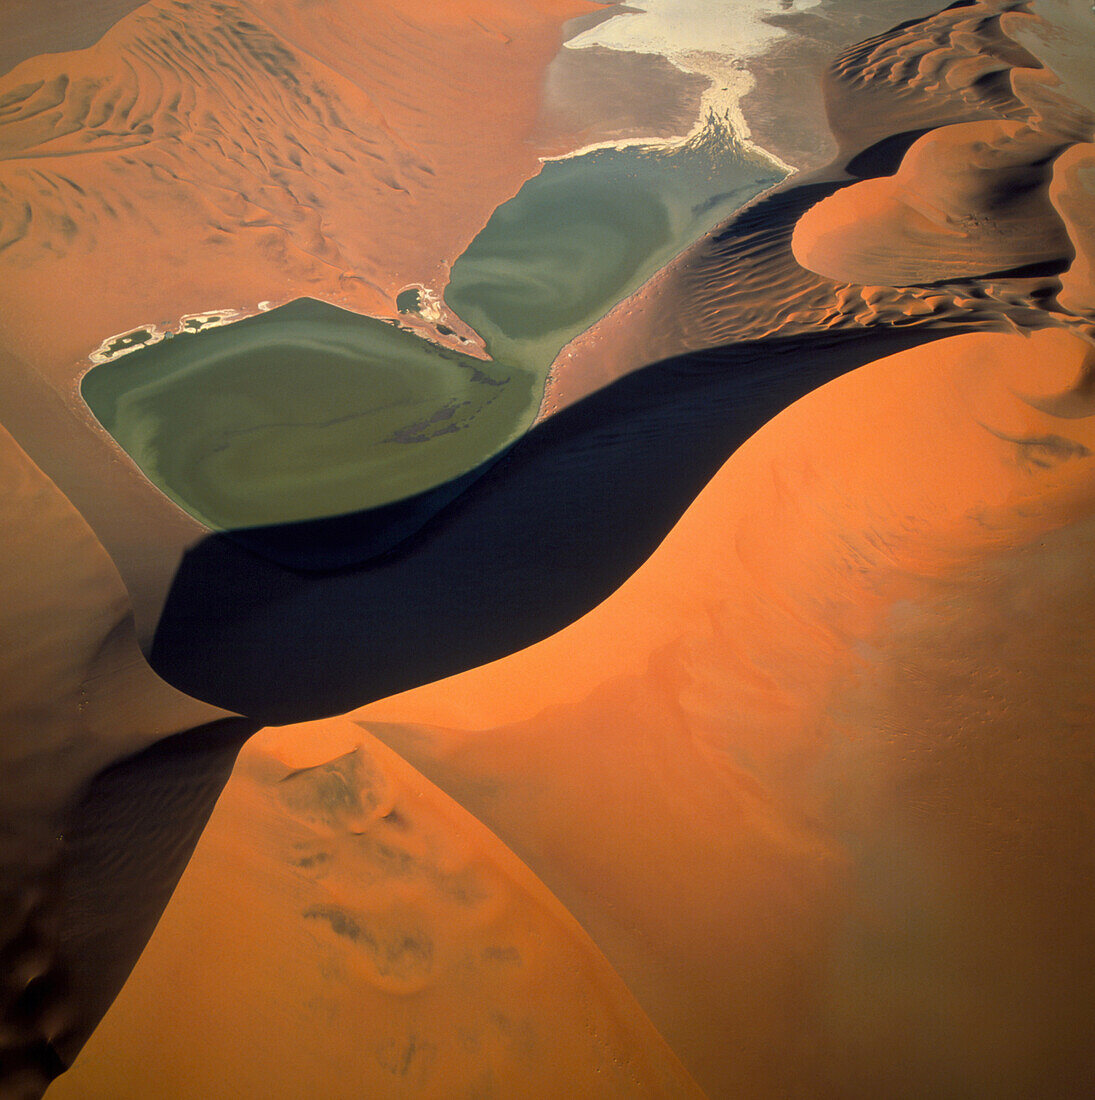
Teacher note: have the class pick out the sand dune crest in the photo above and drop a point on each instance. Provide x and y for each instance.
(968, 201)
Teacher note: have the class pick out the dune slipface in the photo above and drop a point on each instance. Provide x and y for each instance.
(727, 733)
(425, 959)
(82, 888)
(968, 201)
(798, 776)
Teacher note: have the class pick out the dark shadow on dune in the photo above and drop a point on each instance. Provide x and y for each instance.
(552, 529)
(343, 542)
(125, 847)
(884, 157)
(1039, 270)
(32, 27)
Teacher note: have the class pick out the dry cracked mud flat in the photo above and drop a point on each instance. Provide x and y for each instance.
(547, 549)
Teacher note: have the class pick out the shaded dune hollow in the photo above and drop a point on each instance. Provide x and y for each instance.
(542, 536)
(730, 332)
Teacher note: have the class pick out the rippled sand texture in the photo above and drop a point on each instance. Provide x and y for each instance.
(245, 152)
(964, 233)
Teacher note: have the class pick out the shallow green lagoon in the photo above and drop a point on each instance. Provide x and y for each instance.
(303, 412)
(588, 231)
(310, 411)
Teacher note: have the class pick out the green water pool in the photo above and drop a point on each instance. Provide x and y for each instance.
(310, 411)
(303, 412)
(590, 230)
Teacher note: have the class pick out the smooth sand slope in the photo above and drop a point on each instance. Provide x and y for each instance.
(817, 778)
(371, 939)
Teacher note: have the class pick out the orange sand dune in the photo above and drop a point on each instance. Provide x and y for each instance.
(371, 939)
(743, 282)
(75, 695)
(1073, 194)
(955, 66)
(817, 778)
(242, 152)
(201, 156)
(969, 200)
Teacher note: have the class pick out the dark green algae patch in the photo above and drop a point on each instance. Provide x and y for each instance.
(305, 412)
